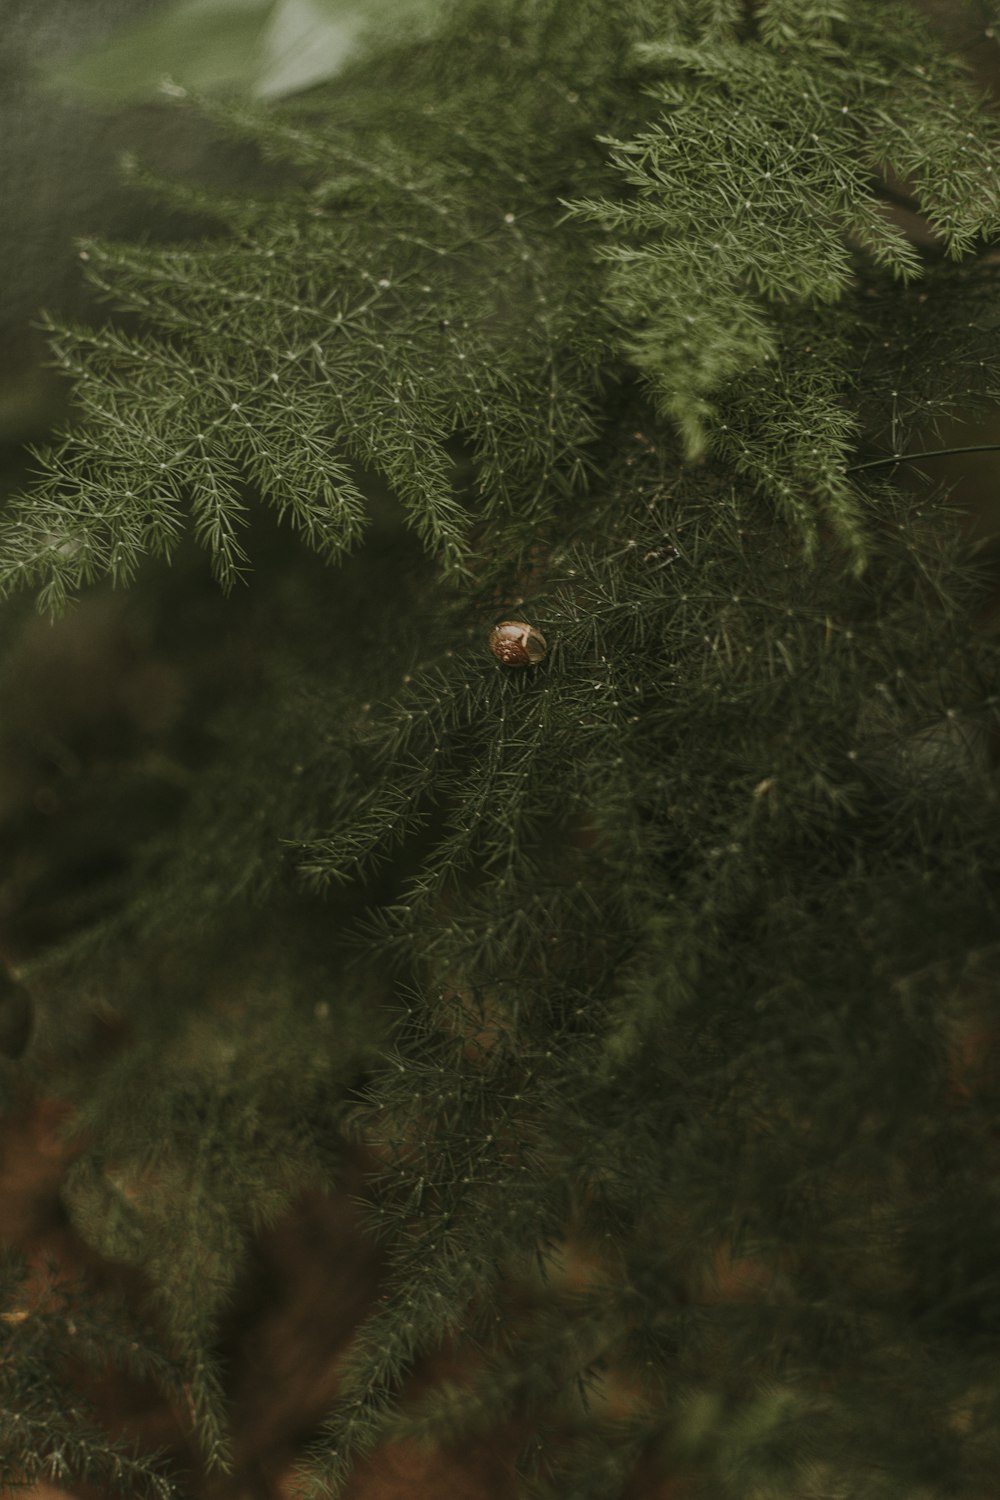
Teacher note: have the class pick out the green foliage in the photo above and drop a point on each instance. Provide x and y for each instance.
(276, 377)
(760, 166)
(47, 1432)
(291, 379)
(219, 1157)
(585, 314)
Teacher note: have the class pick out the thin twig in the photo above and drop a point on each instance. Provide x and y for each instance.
(906, 458)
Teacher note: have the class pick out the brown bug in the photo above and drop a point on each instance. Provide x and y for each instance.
(516, 644)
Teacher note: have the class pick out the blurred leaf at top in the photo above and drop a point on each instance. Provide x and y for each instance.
(263, 48)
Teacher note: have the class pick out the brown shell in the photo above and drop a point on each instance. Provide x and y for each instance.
(517, 644)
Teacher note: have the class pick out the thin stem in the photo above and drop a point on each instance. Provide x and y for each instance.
(905, 458)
